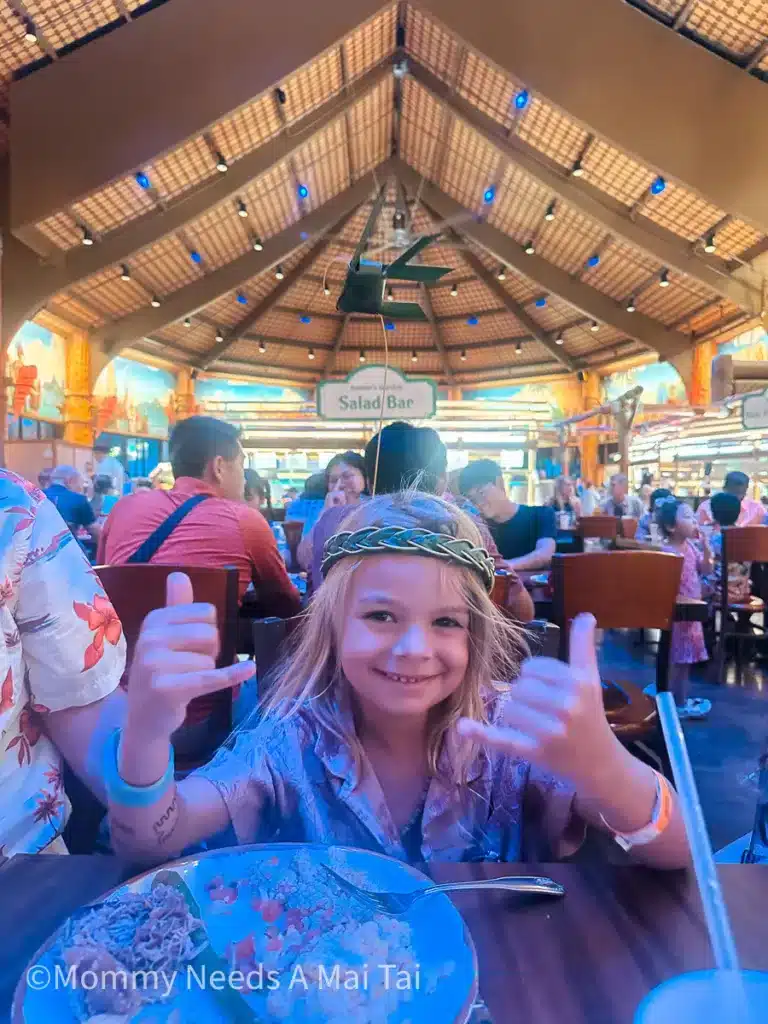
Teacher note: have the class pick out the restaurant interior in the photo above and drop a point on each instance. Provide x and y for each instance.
(540, 229)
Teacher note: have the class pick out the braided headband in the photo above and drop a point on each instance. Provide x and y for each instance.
(375, 540)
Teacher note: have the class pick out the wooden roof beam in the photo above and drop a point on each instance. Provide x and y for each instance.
(679, 108)
(437, 333)
(588, 300)
(664, 246)
(107, 110)
(192, 297)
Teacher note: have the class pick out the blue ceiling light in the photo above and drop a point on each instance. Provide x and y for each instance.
(305, 319)
(522, 99)
(490, 194)
(472, 321)
(389, 325)
(593, 260)
(540, 303)
(657, 186)
(195, 256)
(142, 180)
(303, 192)
(241, 299)
(304, 235)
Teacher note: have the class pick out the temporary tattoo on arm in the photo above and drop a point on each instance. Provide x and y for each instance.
(168, 820)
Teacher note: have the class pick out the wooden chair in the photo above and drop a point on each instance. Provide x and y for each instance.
(604, 527)
(740, 544)
(135, 591)
(623, 590)
(627, 527)
(293, 531)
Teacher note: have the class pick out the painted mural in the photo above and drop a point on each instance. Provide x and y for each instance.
(37, 360)
(751, 347)
(212, 389)
(563, 396)
(661, 384)
(134, 398)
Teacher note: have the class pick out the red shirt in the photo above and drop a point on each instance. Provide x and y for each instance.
(216, 532)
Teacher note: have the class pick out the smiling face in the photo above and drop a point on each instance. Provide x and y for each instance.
(404, 643)
(346, 478)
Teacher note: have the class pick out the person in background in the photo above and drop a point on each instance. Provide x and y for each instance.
(104, 499)
(726, 509)
(402, 457)
(66, 494)
(565, 499)
(108, 465)
(218, 529)
(525, 534)
(590, 498)
(644, 494)
(161, 477)
(752, 512)
(644, 524)
(308, 508)
(257, 493)
(63, 653)
(620, 502)
(44, 479)
(678, 526)
(141, 483)
(345, 475)
(289, 494)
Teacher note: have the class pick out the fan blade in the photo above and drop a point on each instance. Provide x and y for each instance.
(403, 311)
(421, 272)
(414, 250)
(370, 227)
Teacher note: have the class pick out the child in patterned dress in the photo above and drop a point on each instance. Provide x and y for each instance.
(677, 523)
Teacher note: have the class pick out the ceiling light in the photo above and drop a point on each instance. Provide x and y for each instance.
(414, 356)
(518, 348)
(540, 303)
(550, 214)
(195, 256)
(279, 272)
(142, 180)
(577, 170)
(326, 290)
(257, 244)
(242, 209)
(400, 68)
(463, 355)
(241, 298)
(530, 248)
(631, 307)
(154, 302)
(388, 325)
(362, 356)
(472, 321)
(221, 164)
(664, 279)
(303, 191)
(709, 243)
(187, 322)
(489, 195)
(502, 274)
(219, 335)
(125, 272)
(280, 96)
(522, 98)
(262, 347)
(559, 340)
(87, 238)
(594, 327)
(30, 32)
(305, 319)
(593, 260)
(455, 290)
(311, 354)
(390, 295)
(657, 186)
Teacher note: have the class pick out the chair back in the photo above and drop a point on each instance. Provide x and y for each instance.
(622, 589)
(605, 527)
(270, 641)
(293, 530)
(500, 592)
(745, 544)
(628, 527)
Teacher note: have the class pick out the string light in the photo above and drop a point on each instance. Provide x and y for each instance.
(242, 209)
(279, 272)
(155, 302)
(550, 214)
(502, 273)
(221, 164)
(664, 279)
(631, 307)
(709, 243)
(257, 243)
(87, 238)
(530, 248)
(125, 272)
(455, 290)
(311, 354)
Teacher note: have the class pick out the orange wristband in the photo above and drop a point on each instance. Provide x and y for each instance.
(662, 815)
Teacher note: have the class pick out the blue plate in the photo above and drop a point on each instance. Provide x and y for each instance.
(287, 944)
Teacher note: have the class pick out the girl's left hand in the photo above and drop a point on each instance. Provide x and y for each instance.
(554, 714)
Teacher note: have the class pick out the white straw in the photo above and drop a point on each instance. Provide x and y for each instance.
(715, 911)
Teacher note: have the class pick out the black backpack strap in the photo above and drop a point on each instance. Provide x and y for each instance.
(155, 540)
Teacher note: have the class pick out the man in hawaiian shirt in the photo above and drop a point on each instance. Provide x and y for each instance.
(62, 653)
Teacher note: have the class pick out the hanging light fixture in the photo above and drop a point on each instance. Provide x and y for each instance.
(311, 354)
(530, 248)
(414, 356)
(518, 348)
(30, 32)
(594, 327)
(631, 307)
(257, 244)
(550, 214)
(502, 273)
(262, 347)
(454, 290)
(326, 290)
(463, 355)
(125, 272)
(187, 322)
(155, 302)
(362, 356)
(664, 281)
(242, 209)
(390, 295)
(709, 243)
(87, 237)
(221, 164)
(279, 272)
(559, 340)
(219, 335)
(577, 170)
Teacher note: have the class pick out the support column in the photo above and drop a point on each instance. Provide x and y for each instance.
(78, 404)
(588, 444)
(186, 405)
(700, 388)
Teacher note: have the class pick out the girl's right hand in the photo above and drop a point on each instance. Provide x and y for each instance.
(175, 661)
(335, 498)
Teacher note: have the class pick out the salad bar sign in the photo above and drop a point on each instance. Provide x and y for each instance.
(754, 412)
(375, 392)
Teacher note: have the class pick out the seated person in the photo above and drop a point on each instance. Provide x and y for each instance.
(621, 502)
(751, 512)
(564, 499)
(525, 534)
(725, 509)
(309, 506)
(257, 493)
(104, 498)
(385, 729)
(646, 519)
(219, 529)
(345, 474)
(404, 456)
(63, 654)
(66, 493)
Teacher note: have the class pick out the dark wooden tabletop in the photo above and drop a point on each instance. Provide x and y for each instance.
(586, 959)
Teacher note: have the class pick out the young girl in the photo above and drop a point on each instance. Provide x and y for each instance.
(385, 729)
(677, 523)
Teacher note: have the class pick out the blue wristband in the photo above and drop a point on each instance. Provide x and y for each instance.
(121, 792)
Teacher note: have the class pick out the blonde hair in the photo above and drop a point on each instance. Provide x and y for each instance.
(310, 676)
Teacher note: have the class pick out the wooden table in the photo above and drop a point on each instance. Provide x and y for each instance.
(586, 959)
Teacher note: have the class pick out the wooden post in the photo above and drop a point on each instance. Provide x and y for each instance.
(700, 392)
(78, 404)
(625, 417)
(589, 443)
(186, 405)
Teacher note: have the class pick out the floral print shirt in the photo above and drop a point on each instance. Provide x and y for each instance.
(296, 781)
(61, 646)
